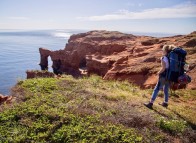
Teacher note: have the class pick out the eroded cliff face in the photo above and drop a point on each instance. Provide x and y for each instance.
(119, 56)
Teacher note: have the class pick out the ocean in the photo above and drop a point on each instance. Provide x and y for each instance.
(19, 52)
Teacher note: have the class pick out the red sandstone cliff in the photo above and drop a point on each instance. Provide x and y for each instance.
(119, 56)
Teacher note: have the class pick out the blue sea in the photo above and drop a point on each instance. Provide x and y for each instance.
(19, 51)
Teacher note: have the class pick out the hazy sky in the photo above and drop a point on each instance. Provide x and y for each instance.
(168, 16)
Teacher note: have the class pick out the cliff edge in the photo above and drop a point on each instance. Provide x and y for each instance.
(118, 56)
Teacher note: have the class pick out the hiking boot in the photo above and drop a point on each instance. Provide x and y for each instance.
(149, 105)
(164, 104)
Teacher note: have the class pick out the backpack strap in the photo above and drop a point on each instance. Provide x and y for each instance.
(167, 72)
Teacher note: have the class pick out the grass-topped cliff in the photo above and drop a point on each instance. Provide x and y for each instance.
(93, 110)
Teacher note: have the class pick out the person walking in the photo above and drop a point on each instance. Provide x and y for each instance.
(162, 82)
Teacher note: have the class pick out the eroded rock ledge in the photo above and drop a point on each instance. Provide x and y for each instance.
(117, 56)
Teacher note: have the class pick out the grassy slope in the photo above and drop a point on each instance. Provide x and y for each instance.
(93, 110)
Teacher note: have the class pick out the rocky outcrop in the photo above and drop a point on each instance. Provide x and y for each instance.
(38, 74)
(150, 42)
(44, 53)
(5, 99)
(119, 56)
(191, 43)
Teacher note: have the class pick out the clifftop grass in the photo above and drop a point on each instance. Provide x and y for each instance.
(93, 110)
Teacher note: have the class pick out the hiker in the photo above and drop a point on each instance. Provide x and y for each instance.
(162, 82)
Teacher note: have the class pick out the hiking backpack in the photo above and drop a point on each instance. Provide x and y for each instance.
(176, 59)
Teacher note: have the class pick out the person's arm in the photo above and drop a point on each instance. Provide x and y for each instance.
(163, 66)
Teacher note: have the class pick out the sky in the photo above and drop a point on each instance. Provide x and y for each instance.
(159, 16)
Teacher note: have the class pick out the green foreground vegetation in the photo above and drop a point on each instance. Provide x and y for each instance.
(92, 110)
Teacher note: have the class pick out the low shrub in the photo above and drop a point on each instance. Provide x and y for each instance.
(172, 126)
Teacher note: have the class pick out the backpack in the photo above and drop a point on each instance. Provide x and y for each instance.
(184, 79)
(176, 64)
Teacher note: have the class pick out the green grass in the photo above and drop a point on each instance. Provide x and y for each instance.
(40, 85)
(90, 109)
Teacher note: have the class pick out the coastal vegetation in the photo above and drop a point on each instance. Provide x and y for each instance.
(90, 109)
